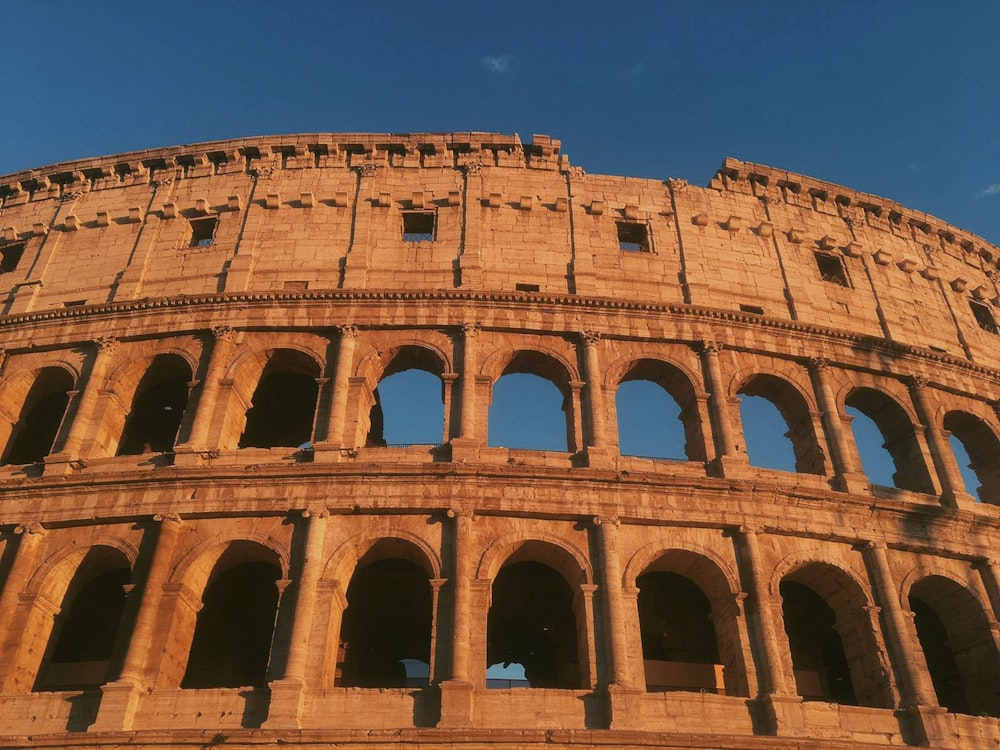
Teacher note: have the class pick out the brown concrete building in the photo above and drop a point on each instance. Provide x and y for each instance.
(206, 542)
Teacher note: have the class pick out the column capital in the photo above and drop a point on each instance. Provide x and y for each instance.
(590, 338)
(710, 346)
(107, 344)
(607, 521)
(471, 330)
(348, 331)
(29, 528)
(817, 364)
(224, 333)
(917, 382)
(163, 517)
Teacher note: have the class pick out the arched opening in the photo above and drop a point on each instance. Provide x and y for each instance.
(157, 408)
(833, 649)
(409, 400)
(385, 634)
(41, 416)
(899, 445)
(980, 466)
(778, 427)
(532, 623)
(958, 647)
(284, 404)
(679, 647)
(232, 636)
(658, 413)
(85, 635)
(531, 405)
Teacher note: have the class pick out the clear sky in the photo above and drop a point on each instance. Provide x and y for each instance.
(897, 98)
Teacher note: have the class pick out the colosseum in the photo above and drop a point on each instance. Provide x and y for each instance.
(209, 539)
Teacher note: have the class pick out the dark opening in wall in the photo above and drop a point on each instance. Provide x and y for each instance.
(941, 663)
(526, 287)
(232, 638)
(831, 269)
(418, 226)
(632, 237)
(982, 455)
(42, 414)
(531, 622)
(203, 231)
(679, 646)
(10, 256)
(387, 623)
(752, 309)
(86, 630)
(157, 408)
(984, 316)
(821, 669)
(284, 403)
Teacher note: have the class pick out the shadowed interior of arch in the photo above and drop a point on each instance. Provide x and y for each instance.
(40, 417)
(157, 407)
(284, 403)
(85, 635)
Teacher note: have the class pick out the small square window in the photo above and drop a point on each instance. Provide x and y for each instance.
(203, 231)
(831, 269)
(10, 256)
(526, 287)
(984, 316)
(632, 237)
(418, 226)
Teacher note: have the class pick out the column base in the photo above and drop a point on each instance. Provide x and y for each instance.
(285, 708)
(782, 715)
(457, 700)
(119, 703)
(598, 458)
(729, 467)
(958, 499)
(624, 707)
(853, 483)
(931, 726)
(331, 453)
(465, 450)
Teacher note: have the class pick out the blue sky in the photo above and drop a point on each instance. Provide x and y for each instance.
(894, 98)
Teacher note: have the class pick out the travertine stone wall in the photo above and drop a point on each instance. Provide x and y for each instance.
(308, 262)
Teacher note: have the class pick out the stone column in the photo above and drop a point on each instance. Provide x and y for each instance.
(21, 570)
(597, 451)
(945, 467)
(466, 446)
(727, 452)
(611, 584)
(989, 570)
(457, 693)
(771, 672)
(846, 469)
(120, 699)
(286, 694)
(341, 393)
(222, 347)
(83, 419)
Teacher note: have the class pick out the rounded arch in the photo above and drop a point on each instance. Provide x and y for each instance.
(32, 412)
(896, 424)
(983, 447)
(343, 561)
(17, 381)
(127, 375)
(796, 408)
(52, 576)
(791, 565)
(411, 353)
(566, 559)
(195, 567)
(675, 378)
(544, 362)
(702, 565)
(249, 365)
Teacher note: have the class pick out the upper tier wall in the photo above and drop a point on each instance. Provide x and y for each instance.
(326, 211)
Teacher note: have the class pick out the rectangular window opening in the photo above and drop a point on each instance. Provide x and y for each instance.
(752, 309)
(984, 317)
(10, 256)
(526, 287)
(203, 231)
(418, 226)
(831, 269)
(75, 303)
(632, 237)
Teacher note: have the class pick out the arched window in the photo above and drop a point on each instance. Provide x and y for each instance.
(284, 404)
(980, 466)
(958, 646)
(658, 413)
(532, 623)
(157, 408)
(42, 414)
(409, 400)
(778, 427)
(833, 649)
(386, 630)
(899, 446)
(530, 405)
(85, 637)
(679, 647)
(232, 637)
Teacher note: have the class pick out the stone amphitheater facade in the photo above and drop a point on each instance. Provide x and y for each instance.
(205, 543)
